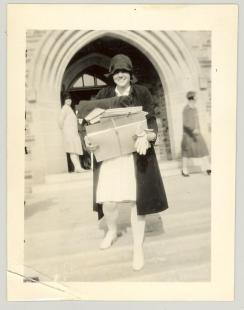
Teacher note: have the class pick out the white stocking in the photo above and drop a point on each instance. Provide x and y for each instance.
(110, 211)
(138, 229)
(205, 163)
(184, 165)
(75, 161)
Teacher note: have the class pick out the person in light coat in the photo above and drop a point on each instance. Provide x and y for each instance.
(71, 139)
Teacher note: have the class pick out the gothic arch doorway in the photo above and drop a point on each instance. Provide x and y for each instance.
(84, 77)
(165, 51)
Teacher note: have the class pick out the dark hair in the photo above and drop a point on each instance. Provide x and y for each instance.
(67, 96)
(191, 95)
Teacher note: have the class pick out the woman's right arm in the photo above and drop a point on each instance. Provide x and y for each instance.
(86, 106)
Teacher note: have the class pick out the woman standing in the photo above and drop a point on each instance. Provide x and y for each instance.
(69, 126)
(135, 177)
(193, 144)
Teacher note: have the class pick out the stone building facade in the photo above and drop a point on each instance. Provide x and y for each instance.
(168, 63)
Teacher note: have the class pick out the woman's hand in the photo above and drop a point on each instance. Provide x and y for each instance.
(144, 136)
(142, 144)
(90, 147)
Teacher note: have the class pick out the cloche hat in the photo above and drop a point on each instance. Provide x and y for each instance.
(191, 95)
(120, 62)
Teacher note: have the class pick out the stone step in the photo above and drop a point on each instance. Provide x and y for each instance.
(170, 172)
(57, 181)
(60, 182)
(169, 165)
(60, 186)
(167, 168)
(68, 177)
(161, 255)
(63, 240)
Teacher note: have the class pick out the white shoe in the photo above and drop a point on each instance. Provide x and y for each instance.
(79, 170)
(138, 258)
(107, 242)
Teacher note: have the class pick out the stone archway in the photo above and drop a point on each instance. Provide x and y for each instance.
(166, 51)
(83, 63)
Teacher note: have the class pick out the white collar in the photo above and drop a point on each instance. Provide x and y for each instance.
(125, 93)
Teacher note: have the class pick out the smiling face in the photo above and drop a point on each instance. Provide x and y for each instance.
(68, 101)
(122, 79)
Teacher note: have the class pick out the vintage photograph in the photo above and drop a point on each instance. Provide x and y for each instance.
(117, 172)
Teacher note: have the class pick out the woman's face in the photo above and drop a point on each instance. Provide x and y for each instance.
(122, 78)
(192, 103)
(68, 101)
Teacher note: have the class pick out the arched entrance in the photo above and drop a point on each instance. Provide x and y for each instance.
(84, 76)
(166, 52)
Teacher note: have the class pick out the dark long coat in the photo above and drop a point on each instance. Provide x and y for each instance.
(151, 197)
(193, 145)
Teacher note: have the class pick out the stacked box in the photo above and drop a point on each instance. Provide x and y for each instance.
(116, 136)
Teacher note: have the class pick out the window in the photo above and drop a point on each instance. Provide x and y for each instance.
(79, 82)
(87, 80)
(100, 82)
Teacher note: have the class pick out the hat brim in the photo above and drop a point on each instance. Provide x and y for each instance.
(110, 75)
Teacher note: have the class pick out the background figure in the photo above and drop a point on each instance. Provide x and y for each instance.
(86, 157)
(69, 126)
(193, 144)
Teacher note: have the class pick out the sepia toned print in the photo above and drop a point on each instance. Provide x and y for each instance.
(62, 234)
(181, 77)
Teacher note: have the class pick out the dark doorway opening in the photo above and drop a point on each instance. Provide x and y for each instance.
(86, 82)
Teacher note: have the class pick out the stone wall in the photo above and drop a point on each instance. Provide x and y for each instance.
(200, 49)
(32, 40)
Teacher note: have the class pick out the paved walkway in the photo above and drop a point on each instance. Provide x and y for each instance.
(62, 234)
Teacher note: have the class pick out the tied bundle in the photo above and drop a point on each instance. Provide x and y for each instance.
(114, 130)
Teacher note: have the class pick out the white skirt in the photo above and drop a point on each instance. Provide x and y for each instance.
(117, 181)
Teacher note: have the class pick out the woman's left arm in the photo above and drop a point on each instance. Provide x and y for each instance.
(148, 136)
(151, 117)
